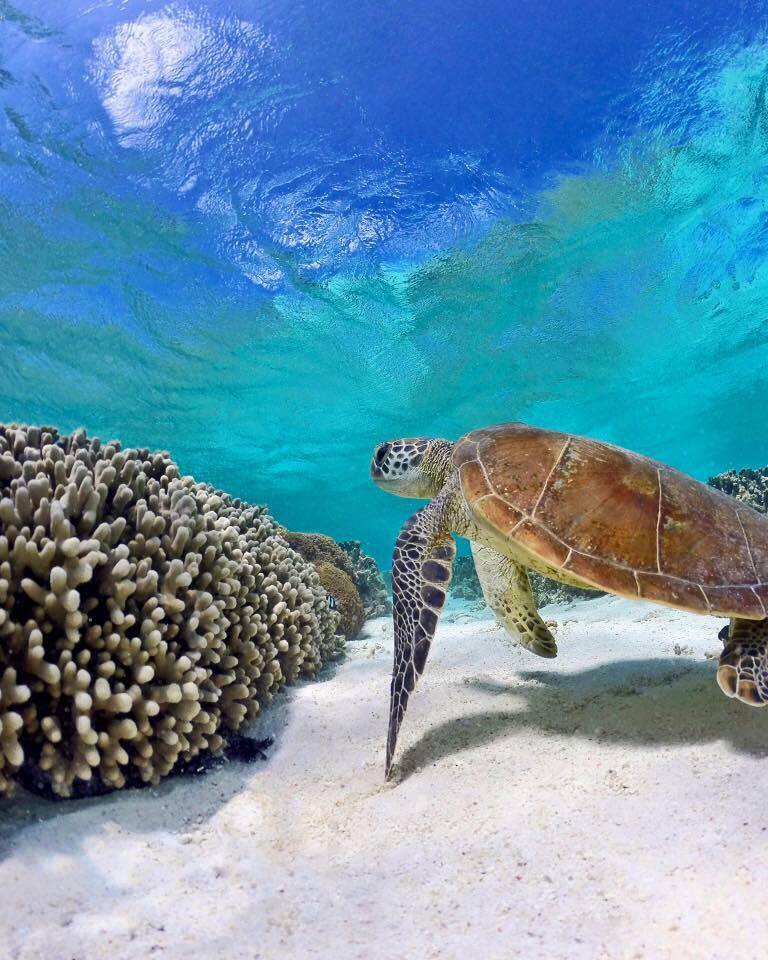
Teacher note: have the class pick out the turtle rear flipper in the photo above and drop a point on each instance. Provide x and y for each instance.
(743, 670)
(507, 591)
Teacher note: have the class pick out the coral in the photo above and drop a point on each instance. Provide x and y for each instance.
(318, 548)
(341, 587)
(552, 591)
(142, 614)
(749, 486)
(368, 580)
(11, 753)
(348, 557)
(466, 586)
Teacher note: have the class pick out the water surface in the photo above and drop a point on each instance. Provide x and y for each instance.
(268, 236)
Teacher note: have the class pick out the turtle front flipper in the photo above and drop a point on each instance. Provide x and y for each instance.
(507, 591)
(421, 572)
(743, 670)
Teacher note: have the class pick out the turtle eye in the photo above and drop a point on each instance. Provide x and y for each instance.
(381, 454)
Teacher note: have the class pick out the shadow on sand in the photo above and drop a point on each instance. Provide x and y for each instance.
(640, 702)
(172, 806)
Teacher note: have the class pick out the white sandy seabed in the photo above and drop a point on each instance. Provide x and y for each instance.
(611, 803)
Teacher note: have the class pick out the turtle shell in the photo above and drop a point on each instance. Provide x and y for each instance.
(615, 520)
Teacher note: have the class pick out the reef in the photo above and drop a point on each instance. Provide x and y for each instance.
(552, 591)
(350, 577)
(318, 548)
(465, 585)
(142, 614)
(749, 486)
(341, 587)
(368, 580)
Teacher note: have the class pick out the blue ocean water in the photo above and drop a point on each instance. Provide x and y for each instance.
(266, 237)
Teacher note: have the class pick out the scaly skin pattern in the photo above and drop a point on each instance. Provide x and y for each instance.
(421, 573)
(507, 591)
(743, 670)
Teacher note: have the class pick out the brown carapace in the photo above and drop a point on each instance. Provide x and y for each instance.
(616, 520)
(583, 512)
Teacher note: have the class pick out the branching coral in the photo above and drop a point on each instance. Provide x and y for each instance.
(749, 486)
(343, 590)
(141, 614)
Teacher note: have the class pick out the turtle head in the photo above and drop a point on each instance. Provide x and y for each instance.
(417, 467)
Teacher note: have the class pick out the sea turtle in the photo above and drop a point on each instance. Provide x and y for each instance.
(580, 511)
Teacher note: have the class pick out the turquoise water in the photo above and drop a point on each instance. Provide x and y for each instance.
(211, 243)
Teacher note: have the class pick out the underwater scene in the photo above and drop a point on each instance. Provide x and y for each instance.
(383, 479)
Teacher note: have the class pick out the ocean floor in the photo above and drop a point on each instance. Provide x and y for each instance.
(607, 804)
